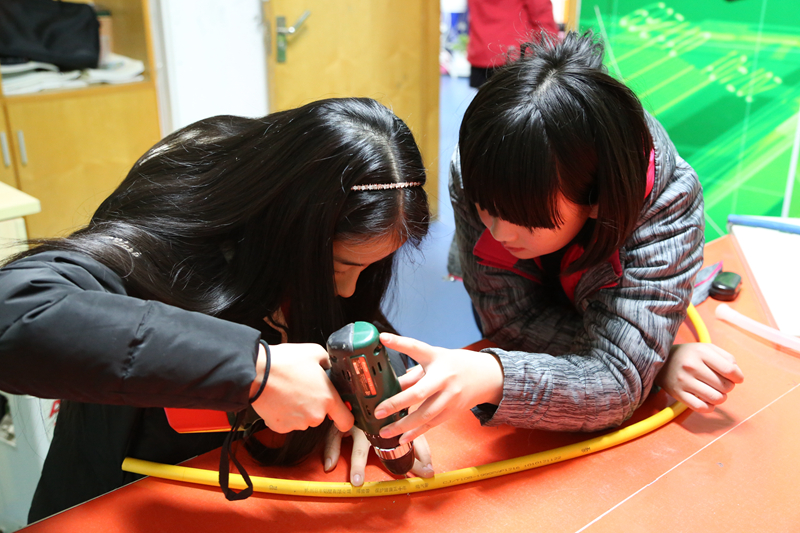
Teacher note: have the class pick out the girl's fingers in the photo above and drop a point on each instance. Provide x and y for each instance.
(421, 418)
(420, 469)
(708, 378)
(423, 466)
(723, 385)
(333, 447)
(319, 354)
(411, 377)
(709, 375)
(707, 394)
(417, 432)
(725, 365)
(694, 403)
(416, 350)
(722, 353)
(423, 389)
(358, 461)
(422, 451)
(338, 411)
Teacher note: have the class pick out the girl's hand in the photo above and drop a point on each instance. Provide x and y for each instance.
(448, 381)
(700, 375)
(298, 394)
(361, 446)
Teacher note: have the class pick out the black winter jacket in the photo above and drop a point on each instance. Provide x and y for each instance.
(69, 330)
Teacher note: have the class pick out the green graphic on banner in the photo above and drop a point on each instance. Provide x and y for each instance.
(723, 77)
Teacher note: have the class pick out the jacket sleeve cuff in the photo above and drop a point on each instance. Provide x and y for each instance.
(513, 407)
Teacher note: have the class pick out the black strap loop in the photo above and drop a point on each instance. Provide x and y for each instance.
(226, 456)
(266, 371)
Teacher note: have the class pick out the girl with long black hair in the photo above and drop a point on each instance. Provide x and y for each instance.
(211, 278)
(579, 231)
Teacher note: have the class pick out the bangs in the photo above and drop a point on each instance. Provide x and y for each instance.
(551, 123)
(508, 169)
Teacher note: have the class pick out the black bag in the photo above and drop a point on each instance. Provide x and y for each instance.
(65, 34)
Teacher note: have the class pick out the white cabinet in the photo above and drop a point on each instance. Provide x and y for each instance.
(14, 205)
(26, 424)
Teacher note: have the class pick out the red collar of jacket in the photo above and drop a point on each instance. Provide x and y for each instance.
(491, 253)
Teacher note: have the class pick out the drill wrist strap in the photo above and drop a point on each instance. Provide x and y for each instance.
(266, 371)
(228, 455)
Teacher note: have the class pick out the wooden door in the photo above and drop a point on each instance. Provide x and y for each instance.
(383, 49)
(73, 149)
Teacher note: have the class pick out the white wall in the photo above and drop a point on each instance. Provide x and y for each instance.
(211, 59)
(558, 10)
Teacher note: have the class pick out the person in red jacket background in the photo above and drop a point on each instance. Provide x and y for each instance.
(497, 26)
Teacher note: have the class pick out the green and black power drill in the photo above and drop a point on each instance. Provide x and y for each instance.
(363, 375)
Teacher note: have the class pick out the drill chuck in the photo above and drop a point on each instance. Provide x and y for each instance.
(364, 377)
(397, 458)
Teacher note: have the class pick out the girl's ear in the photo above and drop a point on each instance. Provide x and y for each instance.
(593, 211)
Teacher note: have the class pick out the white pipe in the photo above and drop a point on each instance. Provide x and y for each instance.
(787, 195)
(724, 312)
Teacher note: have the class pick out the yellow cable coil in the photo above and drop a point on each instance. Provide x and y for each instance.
(699, 325)
(447, 479)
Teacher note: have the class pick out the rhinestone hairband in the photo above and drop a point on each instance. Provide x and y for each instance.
(384, 186)
(122, 243)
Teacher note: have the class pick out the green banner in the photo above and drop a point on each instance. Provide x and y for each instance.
(723, 77)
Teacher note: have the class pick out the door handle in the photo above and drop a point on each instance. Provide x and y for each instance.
(283, 33)
(23, 152)
(4, 147)
(292, 29)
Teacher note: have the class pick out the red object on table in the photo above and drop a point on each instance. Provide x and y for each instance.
(197, 420)
(735, 469)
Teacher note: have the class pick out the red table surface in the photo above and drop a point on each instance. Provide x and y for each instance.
(733, 470)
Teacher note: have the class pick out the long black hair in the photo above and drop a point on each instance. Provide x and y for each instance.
(236, 217)
(552, 121)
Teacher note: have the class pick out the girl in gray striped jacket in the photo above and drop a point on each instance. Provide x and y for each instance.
(579, 232)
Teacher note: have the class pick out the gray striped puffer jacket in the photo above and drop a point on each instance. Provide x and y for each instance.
(588, 366)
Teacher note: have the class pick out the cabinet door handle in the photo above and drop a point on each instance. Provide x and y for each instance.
(4, 146)
(23, 152)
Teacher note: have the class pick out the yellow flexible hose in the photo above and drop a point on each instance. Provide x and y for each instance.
(699, 325)
(327, 489)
